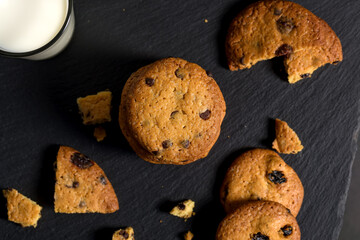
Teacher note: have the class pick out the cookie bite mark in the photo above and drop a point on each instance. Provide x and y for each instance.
(286, 140)
(183, 209)
(81, 185)
(272, 28)
(21, 209)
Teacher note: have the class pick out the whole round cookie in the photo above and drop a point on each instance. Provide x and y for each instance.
(171, 112)
(261, 174)
(272, 28)
(260, 220)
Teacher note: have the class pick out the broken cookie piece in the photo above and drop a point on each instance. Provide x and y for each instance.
(81, 185)
(188, 235)
(21, 209)
(95, 109)
(286, 140)
(99, 133)
(183, 209)
(124, 234)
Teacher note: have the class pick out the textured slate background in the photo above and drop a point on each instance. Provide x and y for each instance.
(114, 38)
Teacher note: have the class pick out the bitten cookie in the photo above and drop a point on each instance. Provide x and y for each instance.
(81, 185)
(95, 109)
(286, 140)
(272, 28)
(21, 209)
(171, 112)
(261, 174)
(124, 234)
(260, 220)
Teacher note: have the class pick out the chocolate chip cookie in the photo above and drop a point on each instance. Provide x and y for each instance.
(81, 185)
(261, 174)
(171, 112)
(260, 220)
(273, 28)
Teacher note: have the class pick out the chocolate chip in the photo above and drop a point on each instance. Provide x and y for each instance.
(181, 206)
(284, 50)
(102, 180)
(172, 115)
(277, 177)
(180, 73)
(209, 74)
(155, 152)
(75, 184)
(287, 230)
(185, 143)
(150, 81)
(277, 12)
(258, 198)
(205, 115)
(82, 204)
(336, 62)
(288, 210)
(242, 60)
(259, 236)
(81, 161)
(124, 234)
(285, 25)
(167, 144)
(305, 75)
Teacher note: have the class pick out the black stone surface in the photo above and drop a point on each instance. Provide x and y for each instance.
(114, 38)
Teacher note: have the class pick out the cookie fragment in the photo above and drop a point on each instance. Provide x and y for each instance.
(81, 185)
(286, 140)
(95, 109)
(21, 209)
(188, 235)
(184, 209)
(124, 234)
(99, 133)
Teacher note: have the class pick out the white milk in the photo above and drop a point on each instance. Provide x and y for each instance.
(27, 25)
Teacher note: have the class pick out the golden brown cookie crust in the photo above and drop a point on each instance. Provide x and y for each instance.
(249, 179)
(171, 112)
(21, 209)
(271, 28)
(286, 140)
(259, 217)
(81, 185)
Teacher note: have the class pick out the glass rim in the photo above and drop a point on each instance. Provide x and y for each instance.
(47, 45)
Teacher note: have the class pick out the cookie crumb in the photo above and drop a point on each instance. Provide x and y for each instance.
(123, 9)
(95, 109)
(99, 133)
(286, 140)
(188, 235)
(161, 221)
(184, 209)
(206, 21)
(21, 209)
(124, 234)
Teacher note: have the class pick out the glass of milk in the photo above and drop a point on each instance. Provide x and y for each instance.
(35, 29)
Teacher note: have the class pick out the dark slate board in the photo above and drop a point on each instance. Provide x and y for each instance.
(39, 112)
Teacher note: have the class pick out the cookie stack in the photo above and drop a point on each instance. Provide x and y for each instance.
(171, 112)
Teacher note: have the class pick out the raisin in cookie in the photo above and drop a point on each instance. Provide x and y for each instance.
(171, 112)
(81, 185)
(261, 174)
(286, 140)
(124, 234)
(21, 209)
(260, 220)
(272, 28)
